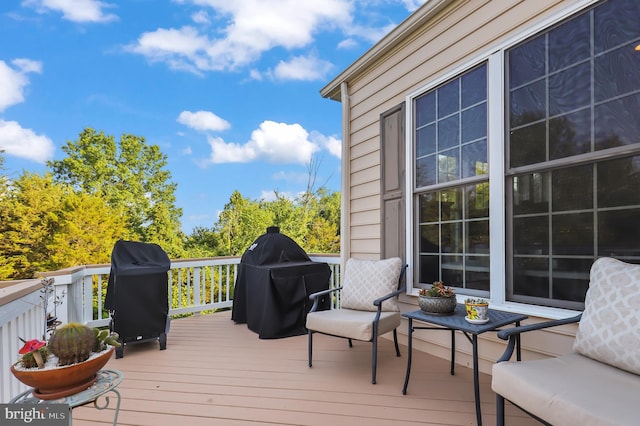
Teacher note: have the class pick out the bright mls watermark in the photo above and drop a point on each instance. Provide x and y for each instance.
(35, 414)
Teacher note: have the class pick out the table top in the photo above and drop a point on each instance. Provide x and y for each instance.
(107, 380)
(456, 321)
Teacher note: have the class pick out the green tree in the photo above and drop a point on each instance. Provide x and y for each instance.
(46, 226)
(132, 177)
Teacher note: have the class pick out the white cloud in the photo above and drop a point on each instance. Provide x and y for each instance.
(20, 142)
(75, 10)
(252, 27)
(203, 121)
(347, 44)
(201, 17)
(14, 80)
(412, 5)
(303, 68)
(330, 143)
(272, 142)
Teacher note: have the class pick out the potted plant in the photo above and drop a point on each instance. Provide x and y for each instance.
(438, 299)
(68, 363)
(477, 310)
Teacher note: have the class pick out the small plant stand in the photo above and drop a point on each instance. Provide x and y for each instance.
(108, 381)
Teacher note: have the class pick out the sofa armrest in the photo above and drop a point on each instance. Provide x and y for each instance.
(512, 334)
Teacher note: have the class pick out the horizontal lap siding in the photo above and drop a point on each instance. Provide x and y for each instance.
(458, 35)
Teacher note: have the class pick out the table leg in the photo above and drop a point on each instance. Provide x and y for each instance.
(105, 405)
(518, 347)
(476, 384)
(409, 350)
(453, 352)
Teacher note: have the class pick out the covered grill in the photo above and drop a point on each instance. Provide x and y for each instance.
(137, 293)
(275, 278)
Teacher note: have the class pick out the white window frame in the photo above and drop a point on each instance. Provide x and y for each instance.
(494, 56)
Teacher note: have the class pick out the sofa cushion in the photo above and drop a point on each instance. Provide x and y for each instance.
(570, 390)
(609, 329)
(352, 324)
(367, 280)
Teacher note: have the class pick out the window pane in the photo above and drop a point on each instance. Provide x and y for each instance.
(528, 104)
(448, 132)
(573, 234)
(615, 23)
(477, 273)
(570, 89)
(429, 269)
(448, 99)
(451, 204)
(616, 72)
(531, 277)
(530, 193)
(570, 134)
(531, 235)
(425, 109)
(569, 43)
(474, 123)
(478, 237)
(426, 140)
(528, 145)
(618, 232)
(429, 211)
(619, 182)
(452, 268)
(616, 122)
(448, 165)
(565, 181)
(474, 159)
(477, 197)
(430, 238)
(571, 279)
(426, 171)
(474, 86)
(526, 62)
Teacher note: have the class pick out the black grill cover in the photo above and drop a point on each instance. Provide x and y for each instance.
(275, 278)
(137, 293)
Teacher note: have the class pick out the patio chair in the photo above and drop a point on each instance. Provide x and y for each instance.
(597, 384)
(368, 305)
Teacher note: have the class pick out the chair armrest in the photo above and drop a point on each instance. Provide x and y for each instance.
(511, 334)
(315, 297)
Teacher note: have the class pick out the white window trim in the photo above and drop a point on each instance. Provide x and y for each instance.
(495, 147)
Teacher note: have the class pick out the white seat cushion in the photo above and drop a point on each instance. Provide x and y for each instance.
(351, 324)
(609, 329)
(570, 390)
(368, 280)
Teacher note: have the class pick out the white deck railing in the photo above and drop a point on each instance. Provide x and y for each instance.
(196, 286)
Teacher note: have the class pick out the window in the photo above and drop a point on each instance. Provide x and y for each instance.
(571, 162)
(451, 172)
(573, 102)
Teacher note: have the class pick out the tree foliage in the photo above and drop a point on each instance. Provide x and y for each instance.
(132, 178)
(46, 226)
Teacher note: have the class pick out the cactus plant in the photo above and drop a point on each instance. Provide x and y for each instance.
(104, 338)
(72, 343)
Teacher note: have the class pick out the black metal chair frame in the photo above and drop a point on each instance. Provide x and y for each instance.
(316, 297)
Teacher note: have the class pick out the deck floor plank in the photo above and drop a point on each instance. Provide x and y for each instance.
(215, 372)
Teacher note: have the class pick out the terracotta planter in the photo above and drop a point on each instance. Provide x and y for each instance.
(437, 305)
(63, 381)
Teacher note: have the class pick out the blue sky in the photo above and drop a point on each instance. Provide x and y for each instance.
(228, 89)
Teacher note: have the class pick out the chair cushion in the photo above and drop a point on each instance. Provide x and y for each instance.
(367, 280)
(351, 324)
(570, 390)
(609, 329)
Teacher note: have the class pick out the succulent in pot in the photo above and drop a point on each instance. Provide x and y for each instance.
(438, 299)
(68, 363)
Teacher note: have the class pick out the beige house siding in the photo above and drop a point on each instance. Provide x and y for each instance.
(438, 38)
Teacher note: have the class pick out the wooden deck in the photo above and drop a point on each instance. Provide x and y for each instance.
(215, 372)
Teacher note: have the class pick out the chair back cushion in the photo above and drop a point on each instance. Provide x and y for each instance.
(367, 280)
(609, 329)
